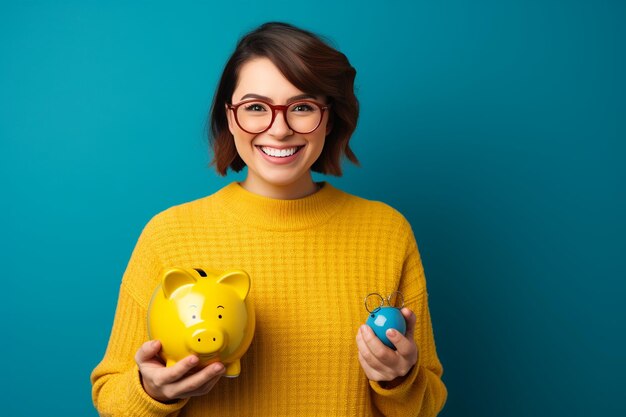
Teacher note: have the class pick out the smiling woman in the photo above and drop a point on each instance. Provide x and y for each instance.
(307, 68)
(284, 107)
(291, 137)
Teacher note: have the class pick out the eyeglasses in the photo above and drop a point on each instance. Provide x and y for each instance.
(257, 116)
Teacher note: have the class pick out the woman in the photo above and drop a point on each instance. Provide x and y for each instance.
(284, 107)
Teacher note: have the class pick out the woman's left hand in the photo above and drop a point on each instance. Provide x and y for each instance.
(381, 363)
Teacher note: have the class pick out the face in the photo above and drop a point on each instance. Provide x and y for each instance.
(279, 160)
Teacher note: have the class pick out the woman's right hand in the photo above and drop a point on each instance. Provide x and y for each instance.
(167, 384)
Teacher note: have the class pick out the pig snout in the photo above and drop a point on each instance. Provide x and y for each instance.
(205, 342)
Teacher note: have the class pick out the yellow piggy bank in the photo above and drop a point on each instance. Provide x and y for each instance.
(207, 314)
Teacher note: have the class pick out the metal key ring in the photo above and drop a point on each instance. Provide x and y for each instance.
(395, 295)
(382, 302)
(398, 296)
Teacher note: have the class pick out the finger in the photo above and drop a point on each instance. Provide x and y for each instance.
(410, 319)
(371, 340)
(177, 371)
(147, 351)
(405, 347)
(208, 386)
(205, 389)
(199, 382)
(214, 373)
(386, 355)
(374, 352)
(371, 373)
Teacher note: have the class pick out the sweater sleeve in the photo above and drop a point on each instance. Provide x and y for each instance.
(116, 383)
(422, 393)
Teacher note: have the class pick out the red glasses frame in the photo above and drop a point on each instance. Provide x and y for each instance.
(275, 108)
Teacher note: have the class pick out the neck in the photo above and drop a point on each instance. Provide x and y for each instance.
(299, 189)
(266, 213)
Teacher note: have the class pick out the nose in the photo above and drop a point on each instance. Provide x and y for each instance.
(279, 127)
(205, 342)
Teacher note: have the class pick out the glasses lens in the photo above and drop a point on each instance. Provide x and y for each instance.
(254, 116)
(304, 117)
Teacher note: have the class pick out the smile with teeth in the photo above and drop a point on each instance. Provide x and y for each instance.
(280, 153)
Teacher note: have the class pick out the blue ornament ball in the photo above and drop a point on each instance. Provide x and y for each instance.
(386, 318)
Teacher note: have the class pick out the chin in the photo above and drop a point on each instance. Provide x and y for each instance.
(282, 180)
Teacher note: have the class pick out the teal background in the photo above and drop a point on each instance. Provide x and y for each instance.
(496, 127)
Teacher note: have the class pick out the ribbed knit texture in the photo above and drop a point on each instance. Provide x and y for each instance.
(312, 261)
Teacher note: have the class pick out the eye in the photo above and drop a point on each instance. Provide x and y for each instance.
(302, 107)
(219, 317)
(255, 107)
(194, 311)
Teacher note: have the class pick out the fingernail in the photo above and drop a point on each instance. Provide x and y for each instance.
(219, 367)
(193, 360)
(154, 343)
(392, 333)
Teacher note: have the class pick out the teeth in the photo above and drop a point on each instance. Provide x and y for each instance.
(280, 153)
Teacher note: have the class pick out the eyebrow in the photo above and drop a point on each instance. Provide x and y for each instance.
(289, 100)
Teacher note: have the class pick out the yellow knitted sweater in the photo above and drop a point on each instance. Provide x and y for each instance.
(312, 262)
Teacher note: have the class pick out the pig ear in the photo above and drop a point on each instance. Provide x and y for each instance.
(238, 280)
(175, 278)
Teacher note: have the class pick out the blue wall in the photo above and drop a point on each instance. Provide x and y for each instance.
(497, 128)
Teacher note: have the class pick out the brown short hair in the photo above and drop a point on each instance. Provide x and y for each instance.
(308, 63)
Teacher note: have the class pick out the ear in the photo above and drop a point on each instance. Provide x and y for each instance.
(229, 118)
(238, 280)
(175, 278)
(329, 123)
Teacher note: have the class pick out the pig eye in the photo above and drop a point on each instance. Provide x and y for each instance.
(219, 317)
(194, 309)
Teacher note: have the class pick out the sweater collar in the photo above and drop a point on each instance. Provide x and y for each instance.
(275, 214)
